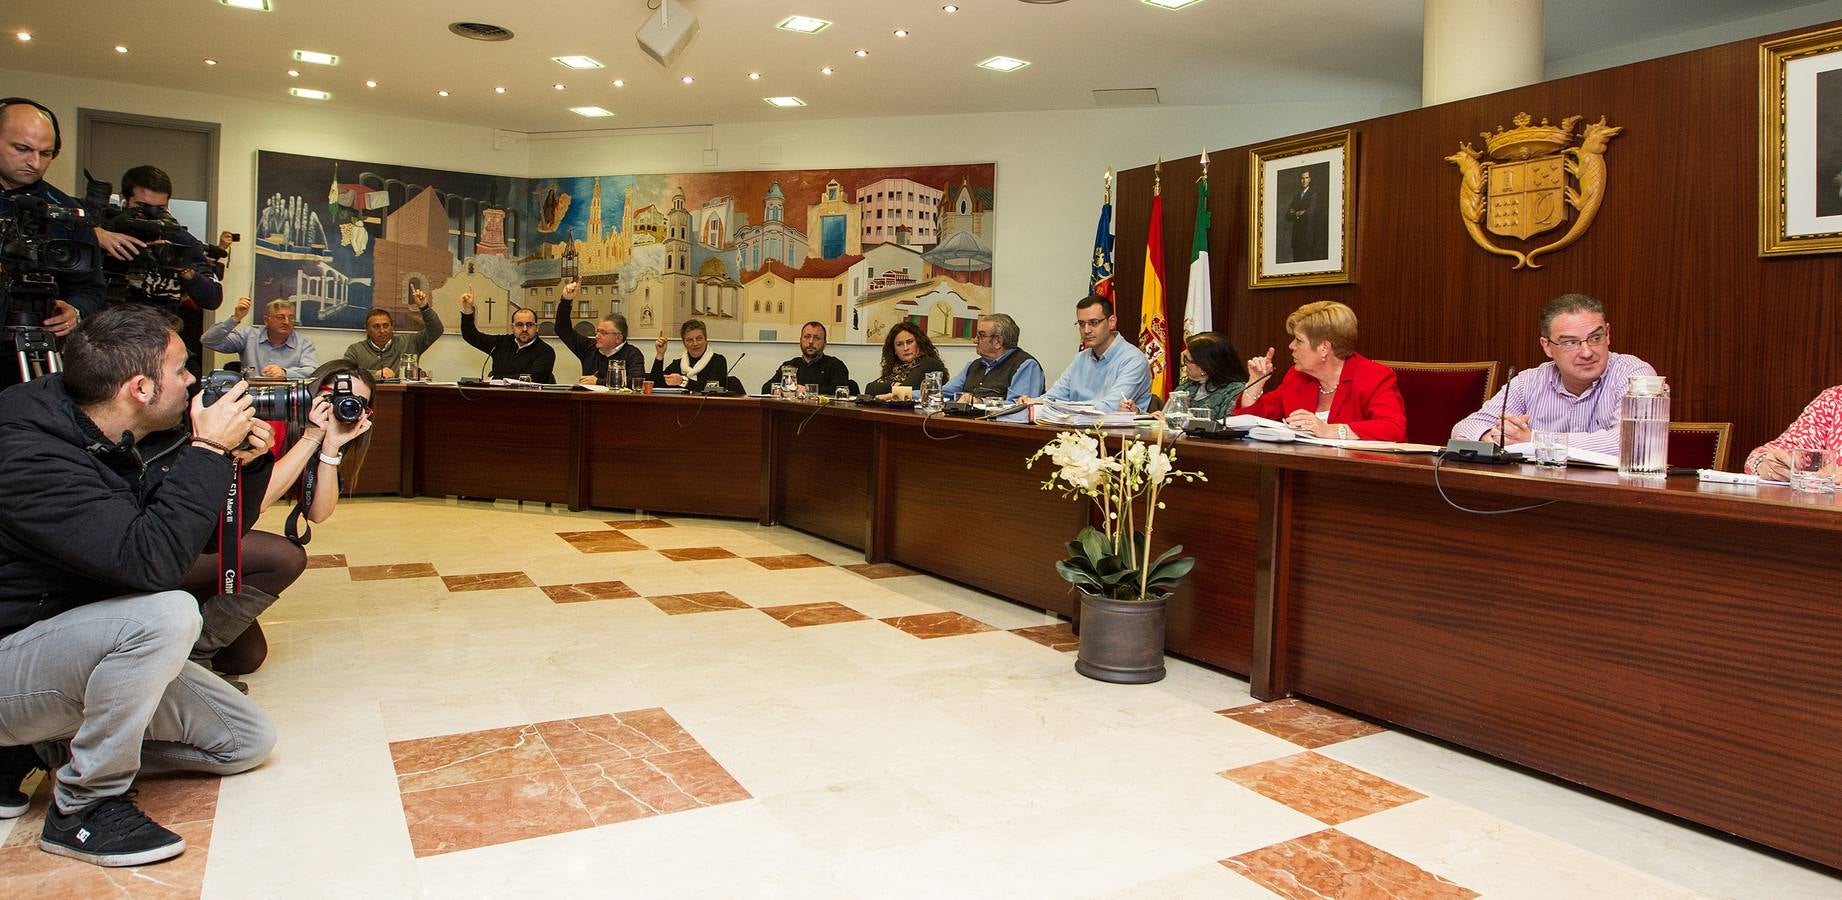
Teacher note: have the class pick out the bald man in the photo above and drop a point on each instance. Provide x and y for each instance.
(28, 144)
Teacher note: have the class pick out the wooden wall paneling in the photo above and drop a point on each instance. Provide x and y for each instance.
(1211, 617)
(1672, 253)
(504, 444)
(1679, 678)
(1269, 678)
(695, 455)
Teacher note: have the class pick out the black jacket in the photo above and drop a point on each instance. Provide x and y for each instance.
(593, 361)
(84, 518)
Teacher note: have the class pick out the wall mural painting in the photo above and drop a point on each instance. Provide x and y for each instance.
(753, 254)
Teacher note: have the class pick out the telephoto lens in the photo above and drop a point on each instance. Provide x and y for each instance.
(288, 403)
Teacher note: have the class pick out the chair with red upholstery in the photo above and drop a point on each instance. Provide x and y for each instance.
(1437, 395)
(1699, 445)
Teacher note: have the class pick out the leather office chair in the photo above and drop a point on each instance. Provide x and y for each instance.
(1437, 395)
(1699, 445)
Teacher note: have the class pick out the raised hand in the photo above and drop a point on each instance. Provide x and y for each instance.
(419, 297)
(572, 288)
(467, 302)
(242, 308)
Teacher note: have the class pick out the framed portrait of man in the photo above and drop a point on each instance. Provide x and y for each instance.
(1302, 202)
(1800, 144)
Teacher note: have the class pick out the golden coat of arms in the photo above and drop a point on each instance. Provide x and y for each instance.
(1533, 176)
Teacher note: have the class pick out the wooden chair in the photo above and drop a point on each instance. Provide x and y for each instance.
(1699, 445)
(1437, 395)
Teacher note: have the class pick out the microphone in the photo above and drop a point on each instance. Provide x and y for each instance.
(1484, 451)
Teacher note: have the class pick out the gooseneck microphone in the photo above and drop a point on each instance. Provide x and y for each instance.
(1484, 451)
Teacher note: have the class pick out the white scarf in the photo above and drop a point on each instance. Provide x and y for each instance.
(690, 371)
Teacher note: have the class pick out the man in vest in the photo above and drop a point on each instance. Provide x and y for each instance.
(1000, 369)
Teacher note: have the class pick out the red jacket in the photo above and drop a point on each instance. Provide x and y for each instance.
(1367, 400)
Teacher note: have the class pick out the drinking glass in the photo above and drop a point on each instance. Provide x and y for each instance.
(406, 369)
(1550, 447)
(1813, 471)
(617, 376)
(841, 395)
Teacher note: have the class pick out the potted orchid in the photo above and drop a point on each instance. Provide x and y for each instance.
(1123, 587)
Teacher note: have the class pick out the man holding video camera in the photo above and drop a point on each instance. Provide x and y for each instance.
(29, 141)
(110, 496)
(163, 264)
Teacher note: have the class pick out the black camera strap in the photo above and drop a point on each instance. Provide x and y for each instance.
(230, 535)
(298, 529)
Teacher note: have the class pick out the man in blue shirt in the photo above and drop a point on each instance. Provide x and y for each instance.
(1108, 369)
(275, 350)
(1000, 369)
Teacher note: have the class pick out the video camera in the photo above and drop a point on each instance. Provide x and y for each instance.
(31, 259)
(169, 246)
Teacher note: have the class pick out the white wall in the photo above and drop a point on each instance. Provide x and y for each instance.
(1049, 167)
(1682, 42)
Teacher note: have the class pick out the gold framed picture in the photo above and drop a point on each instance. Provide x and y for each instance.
(1800, 144)
(1302, 219)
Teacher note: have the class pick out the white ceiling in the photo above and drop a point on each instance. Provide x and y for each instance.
(1216, 52)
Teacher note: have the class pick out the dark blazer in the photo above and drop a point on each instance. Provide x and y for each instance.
(1367, 400)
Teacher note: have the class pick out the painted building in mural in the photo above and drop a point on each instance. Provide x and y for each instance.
(899, 211)
(773, 239)
(834, 223)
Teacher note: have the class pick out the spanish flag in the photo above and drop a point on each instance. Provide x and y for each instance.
(1154, 325)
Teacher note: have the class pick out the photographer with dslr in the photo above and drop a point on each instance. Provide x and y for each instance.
(160, 262)
(110, 496)
(332, 449)
(29, 141)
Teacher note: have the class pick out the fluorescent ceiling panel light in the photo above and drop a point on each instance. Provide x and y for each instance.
(257, 5)
(1003, 64)
(1170, 4)
(593, 112)
(310, 94)
(576, 62)
(784, 102)
(803, 24)
(316, 57)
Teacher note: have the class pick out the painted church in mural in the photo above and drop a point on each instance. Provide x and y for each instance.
(754, 255)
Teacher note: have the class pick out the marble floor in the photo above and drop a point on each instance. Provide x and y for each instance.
(480, 700)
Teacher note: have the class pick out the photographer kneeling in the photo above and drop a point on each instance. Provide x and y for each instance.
(330, 450)
(108, 502)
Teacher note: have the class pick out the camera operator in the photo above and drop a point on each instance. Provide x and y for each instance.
(110, 496)
(184, 291)
(29, 141)
(232, 642)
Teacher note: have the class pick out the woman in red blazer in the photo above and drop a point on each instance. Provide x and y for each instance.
(1332, 391)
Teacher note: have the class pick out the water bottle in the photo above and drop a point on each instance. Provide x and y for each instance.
(1643, 428)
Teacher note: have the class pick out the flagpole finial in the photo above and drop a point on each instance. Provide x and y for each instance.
(1157, 177)
(1106, 192)
(1205, 163)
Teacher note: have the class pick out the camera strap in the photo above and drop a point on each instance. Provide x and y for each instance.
(298, 529)
(230, 535)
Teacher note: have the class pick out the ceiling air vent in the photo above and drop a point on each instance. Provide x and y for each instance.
(480, 31)
(1044, 2)
(1126, 97)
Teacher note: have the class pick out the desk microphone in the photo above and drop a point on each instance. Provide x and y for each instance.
(1248, 387)
(1484, 451)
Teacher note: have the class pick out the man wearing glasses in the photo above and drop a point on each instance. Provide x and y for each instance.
(1576, 391)
(1107, 369)
(522, 352)
(1000, 369)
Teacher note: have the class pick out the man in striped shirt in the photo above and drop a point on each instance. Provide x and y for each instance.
(1576, 391)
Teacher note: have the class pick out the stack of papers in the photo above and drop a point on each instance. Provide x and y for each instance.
(1086, 415)
(1574, 455)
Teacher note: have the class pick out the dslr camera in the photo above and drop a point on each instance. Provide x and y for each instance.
(289, 402)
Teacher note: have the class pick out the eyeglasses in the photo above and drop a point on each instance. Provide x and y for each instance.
(1091, 323)
(986, 335)
(1596, 339)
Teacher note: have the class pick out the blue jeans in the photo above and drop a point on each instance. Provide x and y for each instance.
(112, 679)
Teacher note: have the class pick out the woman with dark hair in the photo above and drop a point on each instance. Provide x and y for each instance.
(907, 358)
(1213, 373)
(695, 368)
(231, 642)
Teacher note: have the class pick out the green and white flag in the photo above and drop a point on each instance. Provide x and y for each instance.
(1198, 308)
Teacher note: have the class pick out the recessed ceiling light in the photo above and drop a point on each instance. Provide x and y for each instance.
(441, 93)
(803, 24)
(784, 102)
(370, 84)
(257, 5)
(593, 112)
(754, 76)
(949, 8)
(825, 70)
(688, 79)
(862, 53)
(210, 62)
(559, 86)
(577, 62)
(24, 35)
(498, 90)
(310, 94)
(294, 73)
(120, 49)
(316, 57)
(619, 83)
(901, 32)
(1003, 64)
(1170, 4)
